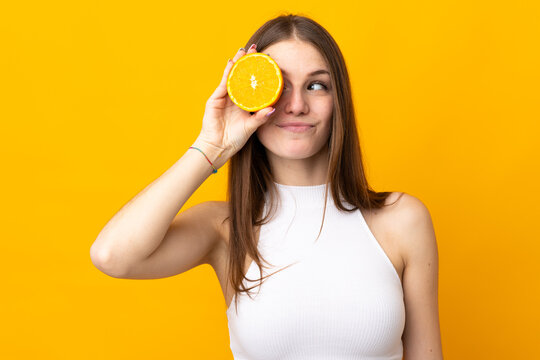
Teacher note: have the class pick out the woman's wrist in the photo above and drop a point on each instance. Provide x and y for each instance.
(212, 152)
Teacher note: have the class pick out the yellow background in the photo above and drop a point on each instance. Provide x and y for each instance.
(99, 98)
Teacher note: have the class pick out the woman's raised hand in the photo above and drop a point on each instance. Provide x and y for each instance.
(225, 125)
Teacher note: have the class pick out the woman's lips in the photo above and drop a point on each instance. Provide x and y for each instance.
(297, 128)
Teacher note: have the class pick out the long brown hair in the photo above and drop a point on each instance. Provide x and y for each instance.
(250, 178)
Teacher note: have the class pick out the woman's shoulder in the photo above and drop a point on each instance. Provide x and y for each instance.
(400, 205)
(221, 220)
(220, 208)
(408, 221)
(218, 211)
(215, 214)
(405, 208)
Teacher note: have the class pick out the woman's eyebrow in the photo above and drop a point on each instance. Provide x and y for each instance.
(316, 72)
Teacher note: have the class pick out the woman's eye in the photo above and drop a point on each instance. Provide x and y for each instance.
(319, 84)
(323, 87)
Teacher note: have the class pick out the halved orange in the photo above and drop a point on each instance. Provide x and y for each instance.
(255, 82)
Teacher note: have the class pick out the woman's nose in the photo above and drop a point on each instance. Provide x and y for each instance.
(295, 103)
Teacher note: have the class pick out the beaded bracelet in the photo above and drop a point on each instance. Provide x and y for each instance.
(213, 171)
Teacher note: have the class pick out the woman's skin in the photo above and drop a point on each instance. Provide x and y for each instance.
(299, 158)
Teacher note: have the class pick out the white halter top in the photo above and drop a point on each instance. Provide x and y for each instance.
(343, 298)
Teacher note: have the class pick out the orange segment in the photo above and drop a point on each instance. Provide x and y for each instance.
(255, 82)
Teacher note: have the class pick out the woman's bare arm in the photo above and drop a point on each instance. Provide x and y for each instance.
(142, 240)
(138, 229)
(421, 337)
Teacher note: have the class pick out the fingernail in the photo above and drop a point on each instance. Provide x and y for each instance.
(271, 112)
(253, 46)
(229, 61)
(242, 49)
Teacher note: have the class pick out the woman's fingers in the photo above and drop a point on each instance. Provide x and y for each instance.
(221, 90)
(241, 52)
(260, 117)
(252, 49)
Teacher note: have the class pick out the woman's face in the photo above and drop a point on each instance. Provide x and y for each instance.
(306, 99)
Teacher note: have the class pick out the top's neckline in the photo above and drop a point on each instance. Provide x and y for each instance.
(302, 195)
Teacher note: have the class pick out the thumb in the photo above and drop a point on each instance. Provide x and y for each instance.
(221, 90)
(259, 118)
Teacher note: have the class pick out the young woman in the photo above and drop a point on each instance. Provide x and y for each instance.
(341, 271)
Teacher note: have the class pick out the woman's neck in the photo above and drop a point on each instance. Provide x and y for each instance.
(300, 172)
